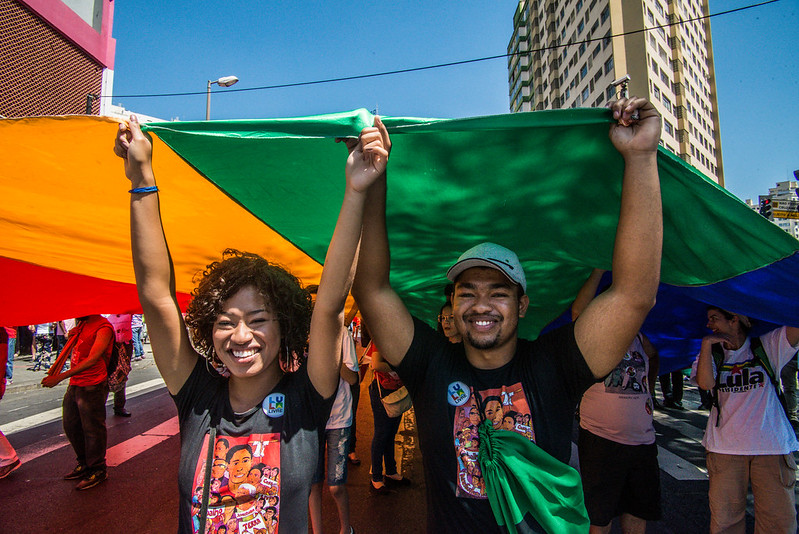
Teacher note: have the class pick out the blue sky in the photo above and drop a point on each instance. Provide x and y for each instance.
(166, 46)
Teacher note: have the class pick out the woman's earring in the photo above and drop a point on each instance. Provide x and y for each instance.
(217, 364)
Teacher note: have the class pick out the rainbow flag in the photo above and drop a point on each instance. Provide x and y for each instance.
(546, 184)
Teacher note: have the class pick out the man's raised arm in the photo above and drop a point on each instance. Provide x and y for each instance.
(388, 319)
(607, 326)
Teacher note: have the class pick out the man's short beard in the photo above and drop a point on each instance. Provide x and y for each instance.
(485, 344)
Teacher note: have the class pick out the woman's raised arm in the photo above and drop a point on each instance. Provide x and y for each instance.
(368, 157)
(155, 276)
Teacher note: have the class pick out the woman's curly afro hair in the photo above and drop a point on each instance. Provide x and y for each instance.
(282, 292)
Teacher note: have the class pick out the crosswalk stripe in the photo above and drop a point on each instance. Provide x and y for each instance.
(673, 464)
(683, 427)
(117, 454)
(678, 467)
(126, 450)
(33, 451)
(55, 414)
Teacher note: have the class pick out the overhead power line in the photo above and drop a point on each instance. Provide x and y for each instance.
(451, 63)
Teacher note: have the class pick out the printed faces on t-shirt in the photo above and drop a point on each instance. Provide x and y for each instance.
(506, 407)
(245, 484)
(629, 377)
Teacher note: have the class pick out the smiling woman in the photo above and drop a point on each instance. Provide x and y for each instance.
(250, 404)
(245, 293)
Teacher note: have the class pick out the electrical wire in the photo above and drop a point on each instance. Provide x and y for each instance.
(448, 64)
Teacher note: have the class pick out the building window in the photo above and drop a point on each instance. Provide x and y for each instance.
(580, 27)
(656, 92)
(606, 40)
(581, 49)
(667, 103)
(585, 94)
(596, 51)
(605, 14)
(609, 65)
(583, 71)
(610, 92)
(669, 128)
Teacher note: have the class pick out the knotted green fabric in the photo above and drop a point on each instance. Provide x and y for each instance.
(521, 478)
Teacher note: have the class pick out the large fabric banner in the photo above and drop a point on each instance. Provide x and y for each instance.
(545, 184)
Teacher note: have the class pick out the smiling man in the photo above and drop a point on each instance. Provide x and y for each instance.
(493, 372)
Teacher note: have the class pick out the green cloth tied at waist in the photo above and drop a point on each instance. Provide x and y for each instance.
(522, 478)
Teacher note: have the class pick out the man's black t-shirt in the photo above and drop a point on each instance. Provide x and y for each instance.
(535, 394)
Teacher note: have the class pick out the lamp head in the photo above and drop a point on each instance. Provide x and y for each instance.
(226, 81)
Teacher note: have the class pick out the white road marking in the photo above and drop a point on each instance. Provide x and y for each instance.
(126, 450)
(33, 451)
(678, 467)
(55, 414)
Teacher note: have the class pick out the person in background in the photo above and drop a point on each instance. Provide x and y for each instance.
(136, 326)
(60, 336)
(788, 380)
(43, 341)
(355, 388)
(9, 461)
(333, 449)
(11, 333)
(89, 349)
(122, 323)
(385, 382)
(618, 455)
(671, 384)
(446, 323)
(748, 436)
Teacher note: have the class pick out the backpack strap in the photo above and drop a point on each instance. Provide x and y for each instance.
(209, 459)
(760, 355)
(718, 358)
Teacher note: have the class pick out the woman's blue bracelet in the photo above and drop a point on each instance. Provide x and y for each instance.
(150, 189)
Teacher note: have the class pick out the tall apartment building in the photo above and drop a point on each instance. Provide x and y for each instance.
(568, 53)
(56, 57)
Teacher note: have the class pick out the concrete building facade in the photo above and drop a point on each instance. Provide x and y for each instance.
(56, 57)
(568, 53)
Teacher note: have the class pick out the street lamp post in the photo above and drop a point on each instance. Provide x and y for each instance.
(224, 81)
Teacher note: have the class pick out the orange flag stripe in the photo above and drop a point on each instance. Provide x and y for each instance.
(60, 176)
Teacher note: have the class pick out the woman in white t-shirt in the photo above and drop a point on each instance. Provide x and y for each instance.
(748, 436)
